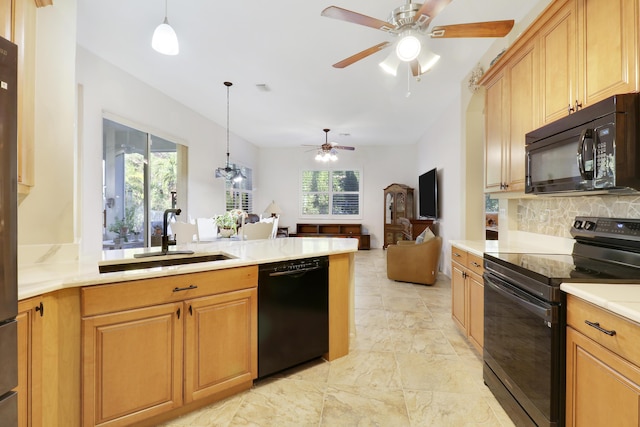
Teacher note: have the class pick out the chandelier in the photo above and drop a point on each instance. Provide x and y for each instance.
(227, 172)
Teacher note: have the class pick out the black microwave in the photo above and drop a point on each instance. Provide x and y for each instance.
(593, 149)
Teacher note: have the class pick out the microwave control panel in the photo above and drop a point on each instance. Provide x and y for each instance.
(605, 157)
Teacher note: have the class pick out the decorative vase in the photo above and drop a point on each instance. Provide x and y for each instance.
(226, 232)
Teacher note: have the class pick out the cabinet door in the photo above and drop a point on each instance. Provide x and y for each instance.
(220, 342)
(602, 388)
(608, 40)
(496, 117)
(558, 58)
(132, 364)
(523, 101)
(29, 363)
(476, 311)
(458, 296)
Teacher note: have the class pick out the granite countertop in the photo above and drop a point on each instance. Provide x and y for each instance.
(41, 277)
(621, 299)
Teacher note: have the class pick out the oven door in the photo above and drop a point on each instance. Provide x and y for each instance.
(523, 348)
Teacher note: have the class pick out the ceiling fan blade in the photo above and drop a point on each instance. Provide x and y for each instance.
(344, 147)
(429, 10)
(361, 55)
(475, 29)
(357, 18)
(415, 68)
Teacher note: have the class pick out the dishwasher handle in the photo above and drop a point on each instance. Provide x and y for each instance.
(300, 272)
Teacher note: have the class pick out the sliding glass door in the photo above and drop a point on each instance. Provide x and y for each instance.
(140, 180)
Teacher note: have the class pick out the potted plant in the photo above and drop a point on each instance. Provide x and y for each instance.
(121, 228)
(228, 222)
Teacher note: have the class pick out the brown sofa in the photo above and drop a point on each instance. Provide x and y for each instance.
(415, 263)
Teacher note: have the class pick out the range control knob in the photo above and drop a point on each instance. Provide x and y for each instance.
(589, 225)
(577, 224)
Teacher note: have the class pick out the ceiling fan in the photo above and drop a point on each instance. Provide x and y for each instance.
(410, 23)
(327, 151)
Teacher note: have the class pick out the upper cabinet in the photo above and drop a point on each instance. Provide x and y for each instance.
(18, 24)
(607, 49)
(511, 111)
(576, 53)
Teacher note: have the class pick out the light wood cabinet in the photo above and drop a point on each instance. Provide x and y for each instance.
(399, 210)
(603, 377)
(558, 63)
(147, 343)
(467, 295)
(220, 337)
(511, 111)
(30, 350)
(132, 364)
(607, 49)
(575, 54)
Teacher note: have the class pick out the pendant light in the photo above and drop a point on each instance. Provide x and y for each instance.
(232, 174)
(164, 38)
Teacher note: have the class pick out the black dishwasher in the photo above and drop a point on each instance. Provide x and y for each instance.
(293, 313)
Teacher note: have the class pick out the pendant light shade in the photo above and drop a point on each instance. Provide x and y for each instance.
(227, 172)
(164, 38)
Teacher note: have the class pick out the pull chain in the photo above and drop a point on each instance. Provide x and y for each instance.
(408, 81)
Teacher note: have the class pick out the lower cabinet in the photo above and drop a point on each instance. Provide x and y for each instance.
(603, 373)
(467, 295)
(132, 365)
(195, 339)
(220, 342)
(30, 313)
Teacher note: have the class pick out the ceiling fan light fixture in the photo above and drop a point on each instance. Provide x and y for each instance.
(408, 47)
(164, 38)
(227, 172)
(390, 64)
(427, 60)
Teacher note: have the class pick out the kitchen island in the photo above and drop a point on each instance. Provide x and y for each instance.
(182, 321)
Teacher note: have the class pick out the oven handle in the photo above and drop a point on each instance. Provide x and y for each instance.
(542, 312)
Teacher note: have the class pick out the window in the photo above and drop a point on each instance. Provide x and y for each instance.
(240, 194)
(141, 178)
(331, 193)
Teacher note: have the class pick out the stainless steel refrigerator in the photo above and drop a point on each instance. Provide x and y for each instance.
(8, 234)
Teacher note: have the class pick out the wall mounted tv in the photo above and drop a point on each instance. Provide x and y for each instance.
(428, 194)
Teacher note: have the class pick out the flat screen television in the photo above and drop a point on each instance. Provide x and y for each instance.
(428, 194)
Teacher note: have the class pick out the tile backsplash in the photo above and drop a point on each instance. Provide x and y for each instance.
(554, 215)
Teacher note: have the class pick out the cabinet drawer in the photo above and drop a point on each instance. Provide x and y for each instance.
(458, 255)
(626, 340)
(474, 264)
(101, 299)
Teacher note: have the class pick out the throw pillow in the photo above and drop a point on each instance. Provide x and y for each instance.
(425, 236)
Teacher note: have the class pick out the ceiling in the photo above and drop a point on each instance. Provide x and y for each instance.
(287, 46)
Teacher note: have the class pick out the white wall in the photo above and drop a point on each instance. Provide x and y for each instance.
(280, 171)
(441, 147)
(105, 88)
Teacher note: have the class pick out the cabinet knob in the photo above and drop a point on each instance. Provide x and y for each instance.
(40, 308)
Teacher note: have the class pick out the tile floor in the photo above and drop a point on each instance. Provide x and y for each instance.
(408, 366)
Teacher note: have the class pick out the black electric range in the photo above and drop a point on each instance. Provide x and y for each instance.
(525, 313)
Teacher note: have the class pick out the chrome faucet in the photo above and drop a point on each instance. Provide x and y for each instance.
(165, 233)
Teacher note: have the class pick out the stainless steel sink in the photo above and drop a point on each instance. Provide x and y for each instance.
(162, 260)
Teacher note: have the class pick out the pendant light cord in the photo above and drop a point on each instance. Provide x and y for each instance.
(228, 84)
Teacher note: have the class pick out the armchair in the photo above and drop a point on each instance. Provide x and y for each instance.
(413, 262)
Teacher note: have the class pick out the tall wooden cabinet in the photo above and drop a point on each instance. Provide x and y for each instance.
(399, 210)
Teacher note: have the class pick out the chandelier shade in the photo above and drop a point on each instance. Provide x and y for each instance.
(164, 38)
(227, 172)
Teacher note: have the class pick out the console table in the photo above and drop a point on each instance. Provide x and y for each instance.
(334, 230)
